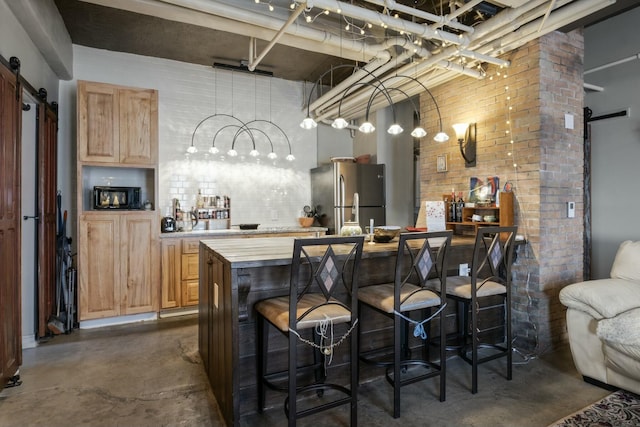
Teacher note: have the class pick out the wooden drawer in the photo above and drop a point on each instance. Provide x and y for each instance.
(189, 267)
(190, 246)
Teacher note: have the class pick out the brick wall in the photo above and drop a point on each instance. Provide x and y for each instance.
(525, 103)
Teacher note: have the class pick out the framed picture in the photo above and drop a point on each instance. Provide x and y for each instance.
(441, 163)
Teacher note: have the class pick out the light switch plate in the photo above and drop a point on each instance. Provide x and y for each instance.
(463, 270)
(571, 209)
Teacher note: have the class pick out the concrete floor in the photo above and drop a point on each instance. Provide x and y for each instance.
(150, 374)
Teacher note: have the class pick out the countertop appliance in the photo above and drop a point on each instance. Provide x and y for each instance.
(116, 198)
(168, 224)
(333, 187)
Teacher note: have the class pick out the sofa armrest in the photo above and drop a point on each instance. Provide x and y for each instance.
(602, 298)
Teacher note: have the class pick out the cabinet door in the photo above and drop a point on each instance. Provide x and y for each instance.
(139, 256)
(99, 266)
(138, 126)
(98, 123)
(189, 292)
(170, 290)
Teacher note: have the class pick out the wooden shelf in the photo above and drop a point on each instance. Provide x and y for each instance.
(504, 215)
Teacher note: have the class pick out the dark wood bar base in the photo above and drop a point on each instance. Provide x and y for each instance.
(235, 273)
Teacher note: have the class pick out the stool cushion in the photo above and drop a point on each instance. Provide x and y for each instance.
(460, 286)
(381, 297)
(276, 311)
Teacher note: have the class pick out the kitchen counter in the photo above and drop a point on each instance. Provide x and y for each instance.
(236, 232)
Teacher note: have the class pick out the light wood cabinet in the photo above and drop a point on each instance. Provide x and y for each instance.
(181, 266)
(118, 251)
(118, 276)
(117, 124)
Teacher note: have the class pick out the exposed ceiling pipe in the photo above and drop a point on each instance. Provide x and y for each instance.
(232, 19)
(440, 20)
(253, 63)
(399, 25)
(613, 64)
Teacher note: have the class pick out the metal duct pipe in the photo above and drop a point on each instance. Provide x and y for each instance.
(351, 11)
(440, 20)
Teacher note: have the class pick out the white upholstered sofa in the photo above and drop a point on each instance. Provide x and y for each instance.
(603, 322)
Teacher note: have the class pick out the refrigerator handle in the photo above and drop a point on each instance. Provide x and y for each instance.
(342, 200)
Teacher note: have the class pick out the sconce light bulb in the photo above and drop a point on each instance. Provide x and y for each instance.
(192, 150)
(308, 123)
(213, 150)
(441, 137)
(232, 153)
(339, 123)
(272, 155)
(290, 157)
(461, 130)
(366, 127)
(254, 153)
(418, 132)
(395, 129)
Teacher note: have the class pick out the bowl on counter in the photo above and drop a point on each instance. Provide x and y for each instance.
(385, 233)
(489, 218)
(306, 221)
(248, 226)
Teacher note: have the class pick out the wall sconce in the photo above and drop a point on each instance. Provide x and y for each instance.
(466, 136)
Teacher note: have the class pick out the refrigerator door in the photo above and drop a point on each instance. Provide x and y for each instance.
(366, 180)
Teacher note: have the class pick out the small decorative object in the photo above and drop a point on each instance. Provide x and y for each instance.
(306, 221)
(441, 163)
(435, 213)
(385, 233)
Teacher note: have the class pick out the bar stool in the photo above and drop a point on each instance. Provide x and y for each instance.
(490, 277)
(323, 292)
(421, 256)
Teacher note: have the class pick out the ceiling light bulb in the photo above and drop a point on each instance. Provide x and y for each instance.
(339, 10)
(366, 127)
(270, 8)
(290, 157)
(441, 137)
(272, 155)
(339, 123)
(257, 1)
(308, 18)
(362, 31)
(254, 153)
(326, 12)
(346, 27)
(395, 129)
(292, 5)
(370, 25)
(232, 153)
(418, 132)
(214, 150)
(192, 150)
(308, 123)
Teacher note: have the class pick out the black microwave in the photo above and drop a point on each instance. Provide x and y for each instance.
(116, 198)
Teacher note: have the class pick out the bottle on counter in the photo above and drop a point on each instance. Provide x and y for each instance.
(199, 200)
(453, 208)
(459, 207)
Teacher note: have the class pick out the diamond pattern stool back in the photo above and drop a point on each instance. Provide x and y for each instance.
(490, 277)
(421, 257)
(322, 303)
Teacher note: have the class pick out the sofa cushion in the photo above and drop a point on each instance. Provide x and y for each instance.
(603, 298)
(626, 264)
(624, 329)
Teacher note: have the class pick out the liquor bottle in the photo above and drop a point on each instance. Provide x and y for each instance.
(452, 207)
(199, 200)
(459, 207)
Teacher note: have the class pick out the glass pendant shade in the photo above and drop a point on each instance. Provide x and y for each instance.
(232, 153)
(441, 137)
(339, 123)
(395, 129)
(290, 158)
(254, 153)
(308, 123)
(213, 150)
(418, 132)
(192, 149)
(367, 127)
(272, 155)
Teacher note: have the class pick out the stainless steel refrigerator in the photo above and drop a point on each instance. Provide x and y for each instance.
(333, 187)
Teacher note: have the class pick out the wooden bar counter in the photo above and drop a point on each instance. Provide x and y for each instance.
(234, 274)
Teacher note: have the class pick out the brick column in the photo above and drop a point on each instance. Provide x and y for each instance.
(544, 82)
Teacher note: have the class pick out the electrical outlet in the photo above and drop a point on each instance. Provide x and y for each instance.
(463, 270)
(571, 209)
